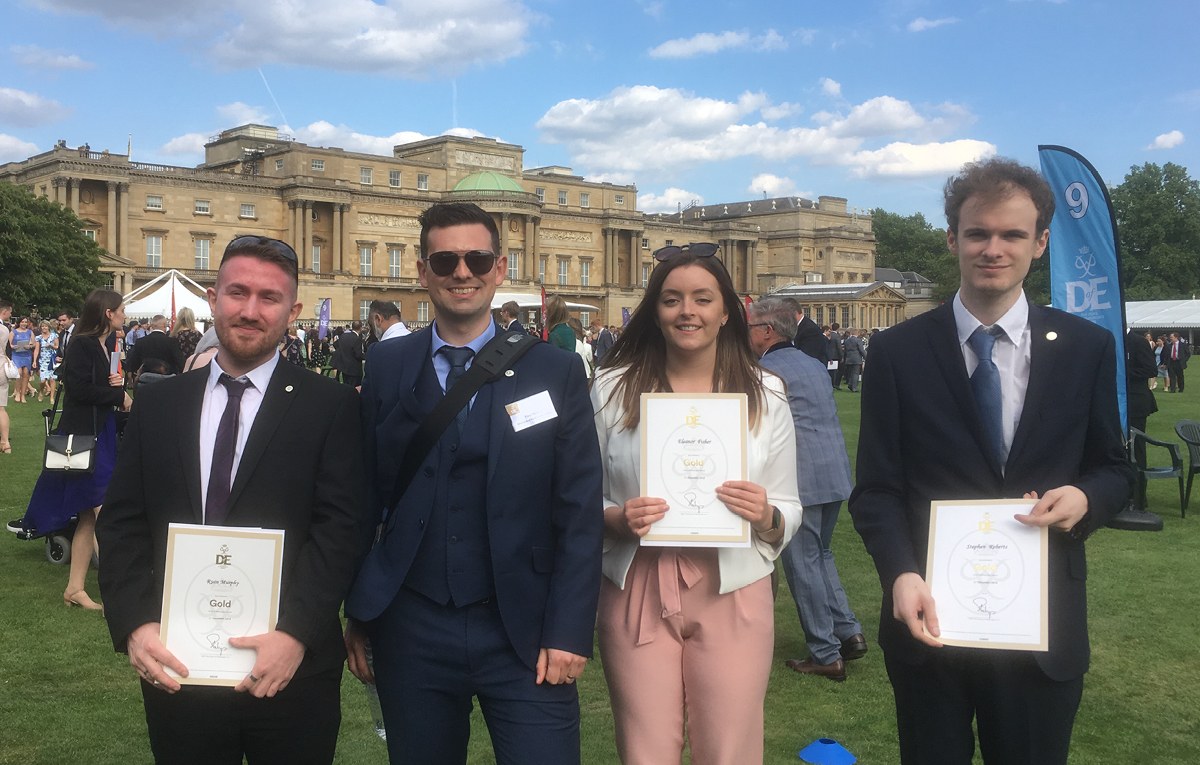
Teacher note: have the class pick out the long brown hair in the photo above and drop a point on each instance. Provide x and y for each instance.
(556, 311)
(93, 319)
(643, 349)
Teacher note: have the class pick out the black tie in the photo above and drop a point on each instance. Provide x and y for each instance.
(221, 471)
(458, 366)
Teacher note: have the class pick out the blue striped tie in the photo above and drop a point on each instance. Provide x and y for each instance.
(986, 384)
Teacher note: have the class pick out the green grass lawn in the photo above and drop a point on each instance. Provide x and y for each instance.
(65, 697)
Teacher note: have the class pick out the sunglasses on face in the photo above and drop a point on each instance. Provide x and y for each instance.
(247, 241)
(698, 249)
(446, 263)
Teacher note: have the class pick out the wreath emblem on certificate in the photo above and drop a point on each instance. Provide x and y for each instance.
(985, 571)
(697, 453)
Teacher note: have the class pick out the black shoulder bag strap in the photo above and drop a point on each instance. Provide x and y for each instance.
(492, 361)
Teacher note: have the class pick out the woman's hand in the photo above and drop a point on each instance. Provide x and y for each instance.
(748, 500)
(116, 381)
(125, 407)
(638, 513)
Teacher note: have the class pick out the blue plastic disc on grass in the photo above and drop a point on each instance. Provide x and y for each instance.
(826, 751)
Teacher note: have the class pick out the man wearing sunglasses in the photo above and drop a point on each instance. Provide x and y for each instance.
(486, 581)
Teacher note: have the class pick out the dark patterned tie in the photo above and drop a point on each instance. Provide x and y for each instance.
(458, 366)
(986, 384)
(221, 472)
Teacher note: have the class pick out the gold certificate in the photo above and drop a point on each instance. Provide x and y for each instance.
(221, 582)
(691, 444)
(988, 575)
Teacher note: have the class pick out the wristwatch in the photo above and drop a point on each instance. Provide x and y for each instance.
(776, 517)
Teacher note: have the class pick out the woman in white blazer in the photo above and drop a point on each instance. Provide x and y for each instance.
(690, 630)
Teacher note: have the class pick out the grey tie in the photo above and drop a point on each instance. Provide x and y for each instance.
(458, 366)
(986, 384)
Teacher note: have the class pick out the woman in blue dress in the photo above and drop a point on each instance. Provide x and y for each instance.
(47, 349)
(89, 400)
(22, 346)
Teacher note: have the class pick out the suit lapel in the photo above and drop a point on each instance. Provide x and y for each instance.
(281, 392)
(504, 392)
(419, 357)
(948, 352)
(1041, 375)
(189, 436)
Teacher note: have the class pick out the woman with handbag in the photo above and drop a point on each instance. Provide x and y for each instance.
(5, 312)
(92, 394)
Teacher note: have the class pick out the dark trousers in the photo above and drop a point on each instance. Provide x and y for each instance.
(1023, 717)
(853, 373)
(835, 375)
(1139, 446)
(430, 660)
(208, 725)
(1175, 371)
(352, 380)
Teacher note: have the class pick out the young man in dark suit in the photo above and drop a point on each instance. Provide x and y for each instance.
(486, 582)
(244, 441)
(508, 317)
(1177, 353)
(157, 345)
(349, 355)
(968, 402)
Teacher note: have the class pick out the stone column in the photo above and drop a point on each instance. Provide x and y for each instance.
(306, 253)
(57, 184)
(533, 252)
(74, 194)
(610, 257)
(504, 218)
(337, 238)
(111, 223)
(292, 223)
(123, 234)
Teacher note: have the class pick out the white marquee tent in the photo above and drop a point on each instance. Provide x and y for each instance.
(155, 297)
(1163, 314)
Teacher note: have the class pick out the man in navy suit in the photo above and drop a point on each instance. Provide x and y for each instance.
(968, 402)
(487, 581)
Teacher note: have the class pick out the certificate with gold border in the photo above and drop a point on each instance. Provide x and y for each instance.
(221, 582)
(988, 574)
(691, 444)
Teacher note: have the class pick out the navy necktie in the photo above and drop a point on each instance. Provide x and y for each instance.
(986, 384)
(221, 471)
(458, 366)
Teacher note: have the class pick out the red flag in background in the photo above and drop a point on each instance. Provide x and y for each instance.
(545, 329)
(749, 300)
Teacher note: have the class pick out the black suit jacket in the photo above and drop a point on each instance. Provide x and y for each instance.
(1139, 368)
(156, 345)
(922, 438)
(350, 354)
(88, 398)
(301, 471)
(811, 340)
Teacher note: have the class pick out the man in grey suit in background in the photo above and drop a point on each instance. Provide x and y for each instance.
(856, 355)
(833, 635)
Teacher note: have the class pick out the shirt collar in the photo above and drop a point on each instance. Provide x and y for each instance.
(260, 376)
(475, 345)
(396, 329)
(778, 346)
(1014, 322)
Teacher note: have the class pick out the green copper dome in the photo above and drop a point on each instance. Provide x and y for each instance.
(488, 181)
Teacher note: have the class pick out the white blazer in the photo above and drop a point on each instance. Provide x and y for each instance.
(771, 452)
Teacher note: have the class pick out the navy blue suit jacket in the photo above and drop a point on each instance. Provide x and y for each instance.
(544, 496)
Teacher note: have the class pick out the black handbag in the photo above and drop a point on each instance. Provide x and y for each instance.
(68, 453)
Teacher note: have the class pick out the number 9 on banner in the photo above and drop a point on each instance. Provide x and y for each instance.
(1077, 199)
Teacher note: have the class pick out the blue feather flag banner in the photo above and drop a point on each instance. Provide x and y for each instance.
(1085, 258)
(324, 321)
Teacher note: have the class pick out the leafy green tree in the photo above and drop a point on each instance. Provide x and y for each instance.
(913, 244)
(1158, 218)
(45, 259)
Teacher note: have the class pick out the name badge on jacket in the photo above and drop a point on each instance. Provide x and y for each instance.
(530, 411)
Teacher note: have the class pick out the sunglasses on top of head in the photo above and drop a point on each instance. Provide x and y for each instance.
(697, 249)
(247, 241)
(446, 263)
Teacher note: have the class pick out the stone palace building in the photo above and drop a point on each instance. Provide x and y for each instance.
(352, 218)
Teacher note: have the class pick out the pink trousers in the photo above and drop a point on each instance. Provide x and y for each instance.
(673, 646)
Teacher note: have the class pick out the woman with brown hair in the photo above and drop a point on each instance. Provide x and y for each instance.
(91, 394)
(560, 335)
(688, 632)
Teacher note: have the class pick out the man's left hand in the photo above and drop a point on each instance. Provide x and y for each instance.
(1059, 508)
(279, 654)
(555, 666)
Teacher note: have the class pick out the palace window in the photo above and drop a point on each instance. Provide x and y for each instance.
(819, 315)
(154, 203)
(845, 316)
(202, 248)
(364, 261)
(562, 198)
(316, 258)
(278, 165)
(585, 199)
(364, 310)
(394, 178)
(541, 194)
(394, 262)
(619, 199)
(645, 243)
(585, 318)
(645, 274)
(318, 165)
(562, 271)
(202, 207)
(247, 211)
(364, 176)
(422, 182)
(90, 233)
(585, 273)
(422, 311)
(514, 261)
(668, 243)
(542, 271)
(154, 252)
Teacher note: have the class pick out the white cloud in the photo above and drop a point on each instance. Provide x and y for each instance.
(40, 58)
(771, 185)
(654, 9)
(405, 38)
(29, 109)
(658, 132)
(669, 201)
(239, 113)
(708, 42)
(13, 149)
(906, 160)
(322, 133)
(831, 87)
(191, 143)
(779, 111)
(1166, 141)
(806, 35)
(921, 24)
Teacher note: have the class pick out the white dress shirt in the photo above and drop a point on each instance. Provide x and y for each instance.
(215, 399)
(1011, 356)
(771, 458)
(396, 330)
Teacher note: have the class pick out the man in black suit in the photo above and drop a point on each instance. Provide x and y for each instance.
(1140, 404)
(156, 345)
(603, 340)
(837, 353)
(968, 402)
(809, 337)
(508, 317)
(66, 328)
(244, 441)
(350, 354)
(1177, 353)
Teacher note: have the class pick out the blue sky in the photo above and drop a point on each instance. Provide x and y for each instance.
(719, 101)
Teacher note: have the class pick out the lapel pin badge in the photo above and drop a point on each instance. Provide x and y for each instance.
(288, 389)
(1051, 335)
(509, 373)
